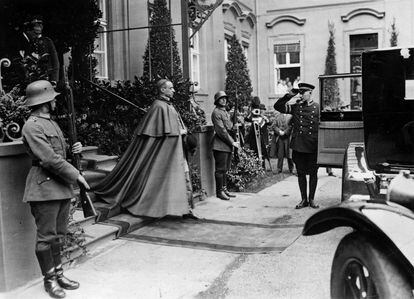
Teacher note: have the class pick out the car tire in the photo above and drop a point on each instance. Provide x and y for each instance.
(360, 269)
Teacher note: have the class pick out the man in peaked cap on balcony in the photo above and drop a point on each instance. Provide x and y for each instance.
(304, 142)
(49, 184)
(32, 44)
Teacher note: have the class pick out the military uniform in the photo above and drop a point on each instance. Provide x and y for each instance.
(304, 142)
(222, 140)
(222, 145)
(51, 176)
(305, 121)
(48, 186)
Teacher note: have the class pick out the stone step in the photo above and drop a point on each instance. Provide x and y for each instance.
(96, 235)
(90, 150)
(101, 162)
(79, 219)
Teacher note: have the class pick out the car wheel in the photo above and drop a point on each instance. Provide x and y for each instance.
(361, 270)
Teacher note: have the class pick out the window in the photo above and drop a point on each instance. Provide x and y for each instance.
(100, 50)
(195, 59)
(358, 44)
(287, 66)
(246, 50)
(226, 48)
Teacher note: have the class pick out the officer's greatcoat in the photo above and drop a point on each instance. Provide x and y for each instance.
(305, 122)
(51, 176)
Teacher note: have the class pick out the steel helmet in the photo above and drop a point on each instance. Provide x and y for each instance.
(220, 94)
(39, 92)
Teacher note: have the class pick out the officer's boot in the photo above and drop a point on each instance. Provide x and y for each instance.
(63, 281)
(303, 191)
(225, 187)
(313, 181)
(44, 256)
(219, 187)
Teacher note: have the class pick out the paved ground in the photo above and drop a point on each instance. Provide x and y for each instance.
(127, 269)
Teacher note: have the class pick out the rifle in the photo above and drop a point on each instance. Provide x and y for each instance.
(86, 202)
(236, 132)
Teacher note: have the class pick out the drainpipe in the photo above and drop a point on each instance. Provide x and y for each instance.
(256, 4)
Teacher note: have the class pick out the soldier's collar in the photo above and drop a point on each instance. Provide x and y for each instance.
(42, 115)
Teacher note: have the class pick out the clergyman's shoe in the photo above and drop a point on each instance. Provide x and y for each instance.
(220, 194)
(302, 204)
(312, 204)
(191, 215)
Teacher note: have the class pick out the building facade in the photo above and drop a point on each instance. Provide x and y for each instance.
(281, 39)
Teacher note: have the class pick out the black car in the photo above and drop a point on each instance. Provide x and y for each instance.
(376, 260)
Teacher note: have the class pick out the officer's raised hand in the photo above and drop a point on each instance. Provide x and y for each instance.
(294, 100)
(77, 148)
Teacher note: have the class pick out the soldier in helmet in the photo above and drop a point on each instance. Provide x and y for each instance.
(223, 144)
(49, 184)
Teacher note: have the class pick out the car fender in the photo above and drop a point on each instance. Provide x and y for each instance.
(389, 225)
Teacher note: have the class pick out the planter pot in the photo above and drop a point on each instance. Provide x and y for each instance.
(18, 263)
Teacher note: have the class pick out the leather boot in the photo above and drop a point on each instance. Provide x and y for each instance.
(227, 192)
(63, 281)
(219, 186)
(220, 194)
(52, 286)
(312, 204)
(45, 258)
(302, 204)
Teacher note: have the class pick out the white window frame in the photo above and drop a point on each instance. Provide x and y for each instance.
(288, 64)
(102, 39)
(195, 59)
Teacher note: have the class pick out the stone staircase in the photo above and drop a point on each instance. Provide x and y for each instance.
(98, 231)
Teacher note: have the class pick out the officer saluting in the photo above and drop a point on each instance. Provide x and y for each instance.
(304, 143)
(49, 184)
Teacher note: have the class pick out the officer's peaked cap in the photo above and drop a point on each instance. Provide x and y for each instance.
(305, 87)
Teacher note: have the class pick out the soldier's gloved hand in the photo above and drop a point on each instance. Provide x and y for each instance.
(77, 148)
(236, 144)
(235, 126)
(82, 181)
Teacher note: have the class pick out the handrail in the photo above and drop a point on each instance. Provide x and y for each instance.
(113, 94)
